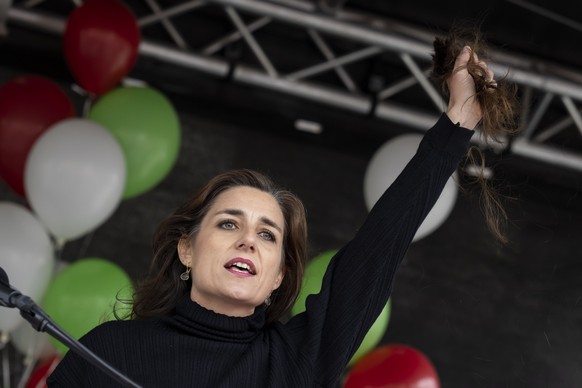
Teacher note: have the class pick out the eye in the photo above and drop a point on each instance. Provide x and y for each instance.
(228, 224)
(267, 235)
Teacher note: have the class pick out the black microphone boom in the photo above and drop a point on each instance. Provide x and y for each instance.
(41, 321)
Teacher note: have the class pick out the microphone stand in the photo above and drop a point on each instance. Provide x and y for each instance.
(41, 321)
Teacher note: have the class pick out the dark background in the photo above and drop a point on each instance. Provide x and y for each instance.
(485, 314)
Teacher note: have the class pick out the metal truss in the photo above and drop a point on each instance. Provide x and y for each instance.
(549, 94)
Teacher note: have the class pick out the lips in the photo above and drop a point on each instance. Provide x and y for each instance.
(242, 266)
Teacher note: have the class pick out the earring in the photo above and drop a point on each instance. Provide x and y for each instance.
(268, 301)
(186, 274)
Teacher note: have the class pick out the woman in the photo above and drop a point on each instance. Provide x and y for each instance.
(228, 264)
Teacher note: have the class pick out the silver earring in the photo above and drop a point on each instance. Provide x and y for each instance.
(186, 274)
(268, 301)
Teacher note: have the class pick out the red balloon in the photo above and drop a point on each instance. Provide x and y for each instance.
(393, 366)
(29, 105)
(42, 372)
(100, 44)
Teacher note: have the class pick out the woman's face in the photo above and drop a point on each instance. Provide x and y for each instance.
(236, 256)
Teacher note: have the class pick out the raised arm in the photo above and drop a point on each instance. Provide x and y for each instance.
(359, 279)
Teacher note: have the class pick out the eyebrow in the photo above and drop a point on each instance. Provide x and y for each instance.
(238, 212)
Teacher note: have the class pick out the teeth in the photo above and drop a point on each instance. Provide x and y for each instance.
(242, 266)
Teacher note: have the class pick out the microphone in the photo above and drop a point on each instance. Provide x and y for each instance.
(11, 297)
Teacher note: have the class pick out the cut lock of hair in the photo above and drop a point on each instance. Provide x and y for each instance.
(499, 103)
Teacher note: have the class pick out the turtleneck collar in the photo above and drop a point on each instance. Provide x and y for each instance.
(197, 320)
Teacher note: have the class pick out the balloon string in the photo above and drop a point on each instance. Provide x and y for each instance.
(58, 247)
(5, 360)
(32, 357)
(30, 363)
(87, 107)
(86, 242)
(59, 244)
(88, 104)
(89, 99)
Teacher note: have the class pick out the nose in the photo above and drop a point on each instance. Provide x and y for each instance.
(247, 241)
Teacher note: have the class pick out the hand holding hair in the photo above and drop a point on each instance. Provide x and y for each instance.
(460, 67)
(464, 107)
(491, 102)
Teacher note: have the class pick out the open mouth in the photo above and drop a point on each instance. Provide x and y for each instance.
(241, 266)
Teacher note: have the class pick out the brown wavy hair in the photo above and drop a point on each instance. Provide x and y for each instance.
(157, 294)
(499, 103)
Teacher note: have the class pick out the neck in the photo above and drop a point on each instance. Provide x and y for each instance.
(219, 306)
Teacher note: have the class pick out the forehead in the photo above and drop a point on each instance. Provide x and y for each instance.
(250, 201)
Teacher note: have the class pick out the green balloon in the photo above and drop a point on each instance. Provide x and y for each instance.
(84, 294)
(312, 280)
(374, 335)
(146, 125)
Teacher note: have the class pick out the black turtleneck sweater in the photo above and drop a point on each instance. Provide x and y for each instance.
(196, 347)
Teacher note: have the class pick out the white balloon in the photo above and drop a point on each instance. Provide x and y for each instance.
(385, 166)
(74, 177)
(26, 255)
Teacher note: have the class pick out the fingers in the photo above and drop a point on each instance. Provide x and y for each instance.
(488, 73)
(489, 77)
(463, 59)
(464, 107)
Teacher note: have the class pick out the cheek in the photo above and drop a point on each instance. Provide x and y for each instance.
(199, 252)
(281, 273)
(276, 268)
(278, 260)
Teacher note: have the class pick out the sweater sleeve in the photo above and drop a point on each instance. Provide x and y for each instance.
(358, 281)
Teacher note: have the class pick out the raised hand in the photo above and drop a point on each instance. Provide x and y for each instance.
(464, 107)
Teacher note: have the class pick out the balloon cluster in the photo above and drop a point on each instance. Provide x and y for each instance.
(372, 366)
(72, 172)
(77, 296)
